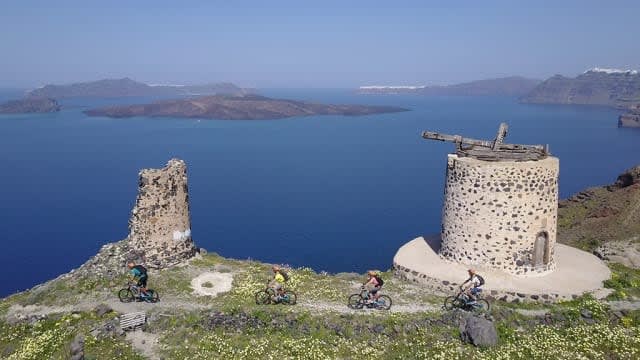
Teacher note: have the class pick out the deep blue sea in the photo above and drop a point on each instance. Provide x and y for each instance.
(330, 192)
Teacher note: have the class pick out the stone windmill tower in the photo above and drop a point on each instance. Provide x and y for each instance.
(500, 205)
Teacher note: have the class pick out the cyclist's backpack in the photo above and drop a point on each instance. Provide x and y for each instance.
(285, 275)
(142, 269)
(379, 280)
(481, 280)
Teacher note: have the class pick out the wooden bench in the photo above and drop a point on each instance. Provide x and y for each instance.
(131, 321)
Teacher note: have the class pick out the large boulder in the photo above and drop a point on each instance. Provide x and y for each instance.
(478, 331)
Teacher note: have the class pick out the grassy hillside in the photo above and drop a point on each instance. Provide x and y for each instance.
(42, 323)
(603, 214)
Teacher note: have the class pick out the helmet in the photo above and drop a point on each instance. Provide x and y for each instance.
(372, 273)
(472, 271)
(275, 268)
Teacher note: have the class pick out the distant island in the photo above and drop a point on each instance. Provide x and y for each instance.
(507, 86)
(597, 86)
(29, 105)
(247, 107)
(127, 87)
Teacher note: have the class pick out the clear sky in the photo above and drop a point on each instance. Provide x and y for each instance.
(311, 43)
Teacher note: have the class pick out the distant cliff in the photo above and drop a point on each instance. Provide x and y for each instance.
(630, 119)
(250, 107)
(508, 86)
(30, 105)
(127, 87)
(610, 87)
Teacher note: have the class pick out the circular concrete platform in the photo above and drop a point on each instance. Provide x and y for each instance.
(578, 272)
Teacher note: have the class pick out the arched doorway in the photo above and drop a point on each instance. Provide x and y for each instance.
(541, 249)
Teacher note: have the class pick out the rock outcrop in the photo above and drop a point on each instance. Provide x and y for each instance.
(250, 107)
(160, 224)
(626, 253)
(631, 118)
(76, 348)
(478, 331)
(609, 87)
(29, 105)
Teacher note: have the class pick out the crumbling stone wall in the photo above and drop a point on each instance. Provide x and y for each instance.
(501, 214)
(160, 225)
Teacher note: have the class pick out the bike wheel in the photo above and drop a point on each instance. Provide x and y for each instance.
(152, 296)
(263, 298)
(355, 301)
(125, 295)
(289, 297)
(450, 303)
(482, 305)
(383, 302)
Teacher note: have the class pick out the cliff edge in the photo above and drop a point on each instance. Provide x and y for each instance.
(608, 87)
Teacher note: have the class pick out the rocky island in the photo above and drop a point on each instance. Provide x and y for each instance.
(125, 87)
(29, 105)
(247, 107)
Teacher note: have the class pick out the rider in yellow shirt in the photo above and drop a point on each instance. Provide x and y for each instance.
(278, 281)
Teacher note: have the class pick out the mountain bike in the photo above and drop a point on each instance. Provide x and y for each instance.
(132, 292)
(362, 299)
(268, 296)
(462, 301)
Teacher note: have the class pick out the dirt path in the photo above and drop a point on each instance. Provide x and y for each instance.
(212, 284)
(344, 309)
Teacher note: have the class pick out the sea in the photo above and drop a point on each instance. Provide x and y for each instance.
(333, 193)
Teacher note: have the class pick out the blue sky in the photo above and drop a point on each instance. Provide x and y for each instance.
(311, 44)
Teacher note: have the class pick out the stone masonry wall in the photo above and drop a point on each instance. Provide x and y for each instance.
(496, 212)
(160, 225)
(444, 287)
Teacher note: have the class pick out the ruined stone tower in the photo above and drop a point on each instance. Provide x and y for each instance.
(160, 225)
(500, 205)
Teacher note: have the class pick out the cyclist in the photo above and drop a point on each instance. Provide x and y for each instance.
(373, 285)
(472, 286)
(139, 273)
(277, 283)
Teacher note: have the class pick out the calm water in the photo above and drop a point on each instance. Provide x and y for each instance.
(334, 193)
